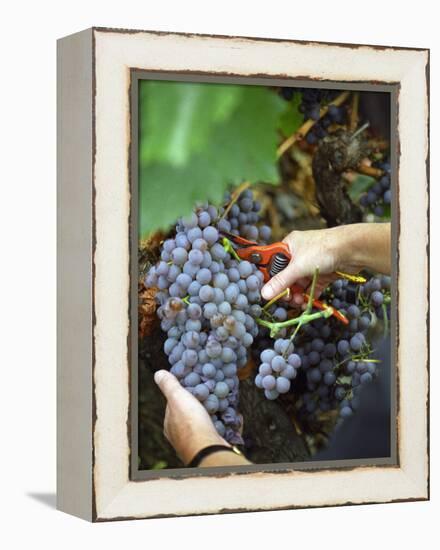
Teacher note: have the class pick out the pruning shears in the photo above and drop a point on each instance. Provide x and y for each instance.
(271, 259)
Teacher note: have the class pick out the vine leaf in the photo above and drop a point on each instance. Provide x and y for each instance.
(177, 118)
(233, 148)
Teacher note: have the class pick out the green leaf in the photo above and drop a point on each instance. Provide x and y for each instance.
(291, 119)
(241, 148)
(179, 117)
(359, 186)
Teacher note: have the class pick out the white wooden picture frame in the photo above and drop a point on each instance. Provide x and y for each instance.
(95, 72)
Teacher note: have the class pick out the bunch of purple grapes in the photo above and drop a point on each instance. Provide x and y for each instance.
(208, 305)
(332, 361)
(312, 100)
(242, 218)
(334, 115)
(279, 366)
(376, 292)
(378, 197)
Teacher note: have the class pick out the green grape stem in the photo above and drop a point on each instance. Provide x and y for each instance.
(312, 292)
(227, 245)
(302, 319)
(306, 317)
(274, 300)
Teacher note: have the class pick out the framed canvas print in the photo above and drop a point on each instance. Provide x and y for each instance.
(242, 274)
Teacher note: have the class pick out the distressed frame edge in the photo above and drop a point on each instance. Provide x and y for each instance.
(120, 30)
(422, 490)
(75, 124)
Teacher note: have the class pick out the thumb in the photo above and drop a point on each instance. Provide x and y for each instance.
(284, 279)
(168, 383)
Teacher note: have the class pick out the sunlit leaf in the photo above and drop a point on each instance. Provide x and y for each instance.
(241, 148)
(177, 118)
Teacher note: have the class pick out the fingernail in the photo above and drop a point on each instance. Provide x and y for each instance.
(266, 292)
(158, 376)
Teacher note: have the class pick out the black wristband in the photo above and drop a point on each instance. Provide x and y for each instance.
(206, 451)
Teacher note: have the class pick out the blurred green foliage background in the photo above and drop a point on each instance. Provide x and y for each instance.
(197, 139)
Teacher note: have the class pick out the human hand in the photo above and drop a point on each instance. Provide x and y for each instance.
(187, 425)
(347, 248)
(310, 250)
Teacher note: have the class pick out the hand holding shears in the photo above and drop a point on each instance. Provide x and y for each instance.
(270, 260)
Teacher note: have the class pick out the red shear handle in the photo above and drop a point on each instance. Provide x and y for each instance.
(263, 256)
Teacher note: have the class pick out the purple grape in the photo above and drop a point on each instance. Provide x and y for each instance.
(329, 378)
(204, 219)
(289, 372)
(265, 369)
(189, 358)
(278, 364)
(179, 255)
(315, 375)
(377, 298)
(206, 293)
(195, 257)
(194, 311)
(191, 380)
(366, 378)
(282, 384)
(355, 343)
(208, 370)
(245, 269)
(269, 382)
(221, 390)
(201, 392)
(346, 412)
(218, 252)
(343, 347)
(265, 233)
(210, 234)
(271, 394)
(294, 360)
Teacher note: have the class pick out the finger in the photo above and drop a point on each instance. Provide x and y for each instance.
(280, 282)
(168, 383)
